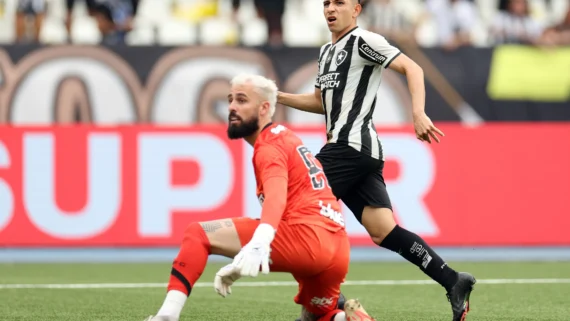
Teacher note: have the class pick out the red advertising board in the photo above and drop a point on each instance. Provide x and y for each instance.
(493, 185)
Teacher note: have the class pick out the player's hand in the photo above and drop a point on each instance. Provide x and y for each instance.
(253, 256)
(224, 279)
(425, 130)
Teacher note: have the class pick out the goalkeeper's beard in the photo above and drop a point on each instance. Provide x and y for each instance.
(243, 129)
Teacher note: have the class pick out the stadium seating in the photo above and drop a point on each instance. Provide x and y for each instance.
(196, 22)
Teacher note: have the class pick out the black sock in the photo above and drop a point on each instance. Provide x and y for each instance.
(414, 249)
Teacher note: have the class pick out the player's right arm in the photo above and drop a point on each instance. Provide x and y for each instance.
(310, 102)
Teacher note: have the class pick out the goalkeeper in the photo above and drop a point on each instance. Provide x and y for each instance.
(300, 226)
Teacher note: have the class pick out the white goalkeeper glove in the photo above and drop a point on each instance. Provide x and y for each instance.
(256, 253)
(224, 279)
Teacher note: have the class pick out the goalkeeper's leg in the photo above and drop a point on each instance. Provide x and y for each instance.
(319, 292)
(302, 250)
(219, 237)
(222, 237)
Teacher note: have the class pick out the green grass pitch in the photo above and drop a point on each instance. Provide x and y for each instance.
(505, 293)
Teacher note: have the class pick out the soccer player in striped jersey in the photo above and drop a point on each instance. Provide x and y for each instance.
(350, 73)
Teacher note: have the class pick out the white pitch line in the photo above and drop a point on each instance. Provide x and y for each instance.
(268, 284)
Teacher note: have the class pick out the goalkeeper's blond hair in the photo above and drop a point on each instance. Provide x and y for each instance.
(265, 87)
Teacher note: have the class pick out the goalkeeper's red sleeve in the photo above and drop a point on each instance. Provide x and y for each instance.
(275, 190)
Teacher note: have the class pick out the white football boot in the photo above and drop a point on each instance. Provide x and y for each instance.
(355, 312)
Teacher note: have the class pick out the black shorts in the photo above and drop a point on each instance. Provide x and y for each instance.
(31, 7)
(355, 178)
(91, 4)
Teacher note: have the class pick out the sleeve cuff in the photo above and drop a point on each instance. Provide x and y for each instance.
(264, 233)
(390, 61)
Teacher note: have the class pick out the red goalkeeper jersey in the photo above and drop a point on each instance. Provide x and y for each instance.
(278, 152)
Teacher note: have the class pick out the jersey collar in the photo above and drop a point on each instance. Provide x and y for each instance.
(261, 133)
(266, 126)
(346, 34)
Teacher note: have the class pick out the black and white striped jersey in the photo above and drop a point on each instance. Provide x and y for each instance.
(350, 73)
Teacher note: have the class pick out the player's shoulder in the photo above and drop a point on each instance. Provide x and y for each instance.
(276, 136)
(274, 132)
(324, 48)
(374, 47)
(369, 36)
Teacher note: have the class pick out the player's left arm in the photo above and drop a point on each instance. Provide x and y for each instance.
(424, 127)
(272, 165)
(415, 77)
(375, 48)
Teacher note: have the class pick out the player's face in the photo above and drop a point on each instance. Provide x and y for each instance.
(340, 14)
(243, 118)
(518, 7)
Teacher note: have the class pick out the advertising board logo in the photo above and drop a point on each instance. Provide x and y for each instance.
(70, 84)
(92, 84)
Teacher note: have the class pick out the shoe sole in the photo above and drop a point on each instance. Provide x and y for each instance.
(467, 303)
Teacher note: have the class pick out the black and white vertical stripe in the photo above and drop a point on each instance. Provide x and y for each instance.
(349, 81)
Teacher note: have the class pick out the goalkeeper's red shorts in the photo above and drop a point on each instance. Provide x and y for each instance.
(316, 257)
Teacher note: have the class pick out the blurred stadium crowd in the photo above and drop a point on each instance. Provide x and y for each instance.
(444, 23)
